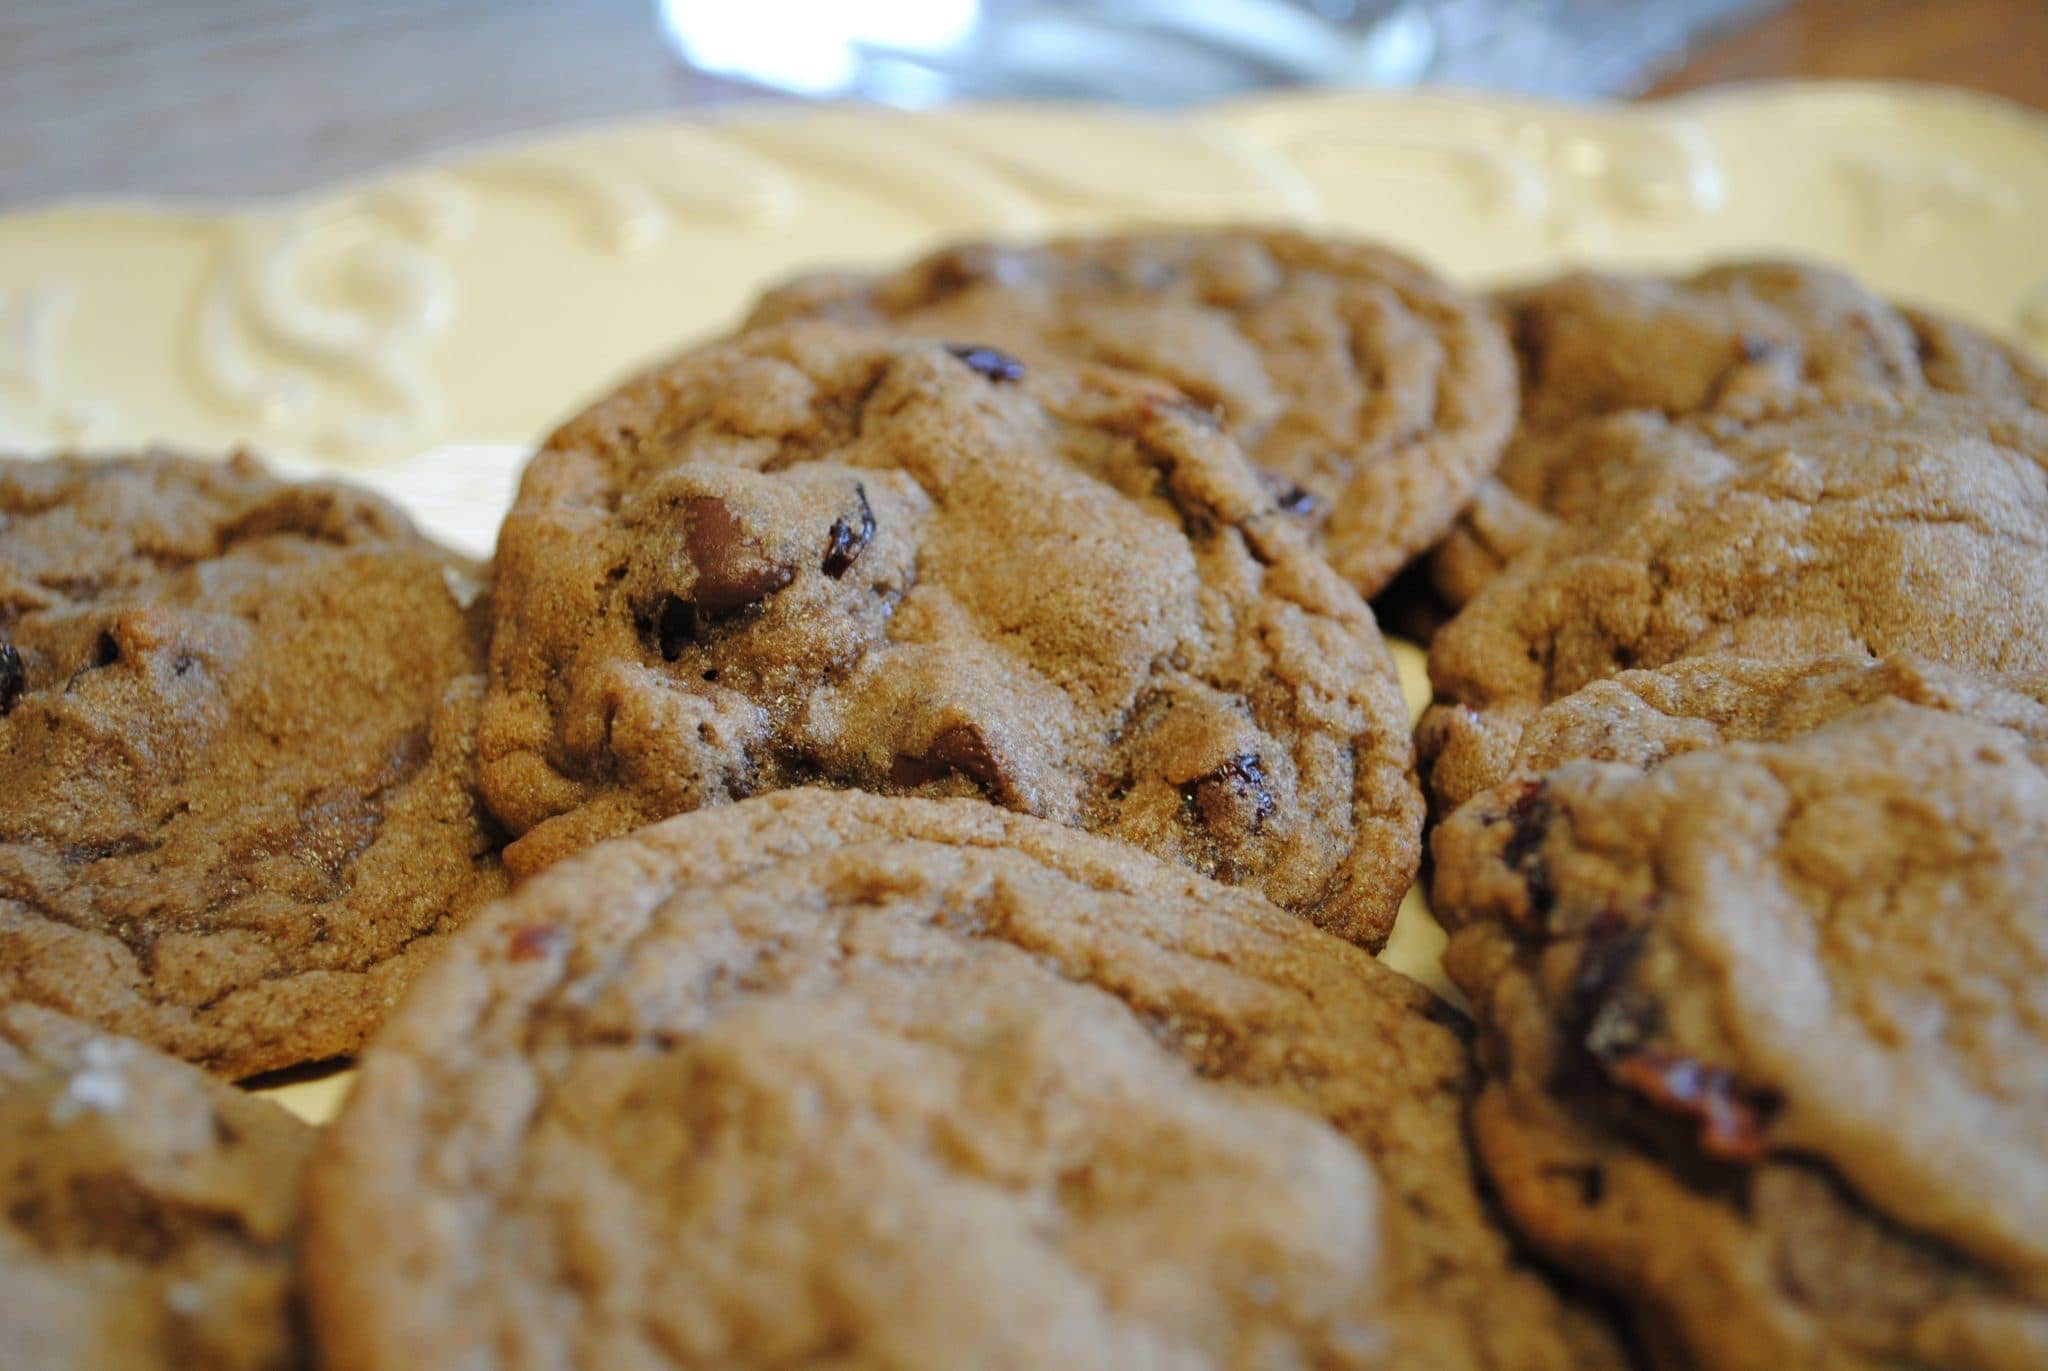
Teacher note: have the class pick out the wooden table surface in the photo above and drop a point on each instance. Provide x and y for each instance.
(1997, 46)
(236, 97)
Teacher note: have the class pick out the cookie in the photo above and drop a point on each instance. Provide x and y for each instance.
(150, 1212)
(1643, 718)
(1745, 340)
(840, 556)
(236, 805)
(1764, 1029)
(1376, 395)
(1872, 528)
(834, 1077)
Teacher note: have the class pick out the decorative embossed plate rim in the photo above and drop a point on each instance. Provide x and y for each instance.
(418, 329)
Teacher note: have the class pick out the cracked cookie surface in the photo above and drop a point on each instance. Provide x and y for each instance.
(835, 1078)
(842, 556)
(1741, 341)
(148, 1212)
(236, 746)
(1870, 528)
(1642, 718)
(1375, 394)
(1764, 1028)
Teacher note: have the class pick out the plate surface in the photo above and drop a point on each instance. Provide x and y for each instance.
(418, 331)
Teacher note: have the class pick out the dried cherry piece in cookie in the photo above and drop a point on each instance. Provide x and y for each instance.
(13, 676)
(848, 538)
(1234, 793)
(1732, 1117)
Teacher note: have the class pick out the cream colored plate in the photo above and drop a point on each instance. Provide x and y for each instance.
(418, 331)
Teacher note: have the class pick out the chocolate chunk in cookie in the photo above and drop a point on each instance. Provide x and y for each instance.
(839, 555)
(1380, 395)
(1764, 1026)
(860, 1080)
(149, 1213)
(236, 807)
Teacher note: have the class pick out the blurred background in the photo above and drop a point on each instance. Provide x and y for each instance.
(239, 97)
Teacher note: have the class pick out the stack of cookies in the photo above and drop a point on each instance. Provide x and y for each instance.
(884, 867)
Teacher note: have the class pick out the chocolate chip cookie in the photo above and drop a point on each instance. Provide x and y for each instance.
(1643, 718)
(1746, 340)
(236, 749)
(1869, 528)
(148, 1212)
(1375, 395)
(1765, 1028)
(834, 1077)
(827, 555)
